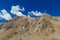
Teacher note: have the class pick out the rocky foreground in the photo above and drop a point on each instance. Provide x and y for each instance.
(45, 27)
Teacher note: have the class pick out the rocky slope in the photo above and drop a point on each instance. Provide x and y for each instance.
(45, 27)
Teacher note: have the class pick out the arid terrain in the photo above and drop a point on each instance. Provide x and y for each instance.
(46, 27)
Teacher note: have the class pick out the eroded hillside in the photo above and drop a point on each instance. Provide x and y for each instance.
(45, 27)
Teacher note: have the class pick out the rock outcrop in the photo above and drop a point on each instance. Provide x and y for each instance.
(45, 27)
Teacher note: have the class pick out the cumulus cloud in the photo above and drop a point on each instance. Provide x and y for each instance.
(35, 13)
(5, 15)
(16, 10)
(29, 16)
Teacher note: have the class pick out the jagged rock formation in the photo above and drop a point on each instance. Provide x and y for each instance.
(45, 27)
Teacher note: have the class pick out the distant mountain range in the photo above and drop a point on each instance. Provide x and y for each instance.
(46, 27)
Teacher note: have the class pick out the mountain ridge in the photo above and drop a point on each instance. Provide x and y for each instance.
(45, 27)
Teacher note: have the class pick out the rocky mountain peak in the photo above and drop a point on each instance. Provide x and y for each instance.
(26, 28)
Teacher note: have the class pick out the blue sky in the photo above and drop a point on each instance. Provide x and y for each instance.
(51, 6)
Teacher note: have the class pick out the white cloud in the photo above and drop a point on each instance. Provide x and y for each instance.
(0, 16)
(28, 15)
(16, 10)
(35, 13)
(5, 15)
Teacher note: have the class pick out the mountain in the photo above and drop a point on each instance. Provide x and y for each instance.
(46, 27)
